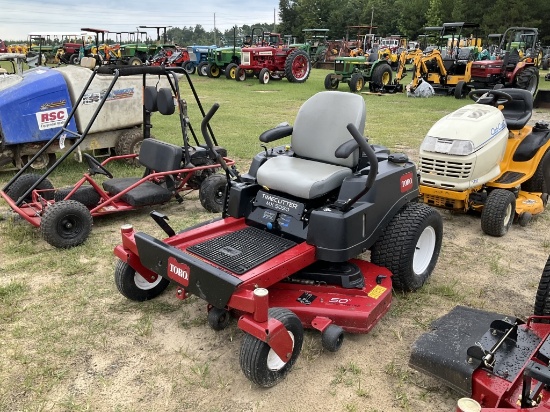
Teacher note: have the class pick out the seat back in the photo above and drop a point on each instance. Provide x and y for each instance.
(160, 156)
(518, 112)
(320, 126)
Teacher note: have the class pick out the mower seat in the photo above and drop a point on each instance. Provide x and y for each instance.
(155, 156)
(518, 112)
(319, 129)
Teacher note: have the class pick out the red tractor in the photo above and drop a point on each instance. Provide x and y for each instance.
(516, 67)
(272, 60)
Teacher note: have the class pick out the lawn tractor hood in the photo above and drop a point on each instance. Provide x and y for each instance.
(464, 149)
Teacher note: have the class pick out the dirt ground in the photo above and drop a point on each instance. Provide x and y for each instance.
(162, 355)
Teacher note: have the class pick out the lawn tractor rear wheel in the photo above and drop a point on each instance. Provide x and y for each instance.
(189, 67)
(330, 82)
(134, 286)
(25, 182)
(536, 182)
(260, 363)
(528, 80)
(231, 71)
(409, 246)
(542, 299)
(357, 82)
(213, 71)
(263, 77)
(218, 319)
(381, 76)
(498, 213)
(297, 66)
(66, 224)
(212, 193)
(240, 74)
(332, 338)
(202, 69)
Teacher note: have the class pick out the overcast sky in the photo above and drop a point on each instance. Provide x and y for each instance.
(18, 19)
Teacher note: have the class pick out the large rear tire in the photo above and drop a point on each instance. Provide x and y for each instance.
(381, 76)
(409, 246)
(297, 66)
(528, 80)
(260, 363)
(498, 213)
(130, 142)
(536, 182)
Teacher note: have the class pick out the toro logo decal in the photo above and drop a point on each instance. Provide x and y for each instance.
(406, 182)
(178, 271)
(51, 118)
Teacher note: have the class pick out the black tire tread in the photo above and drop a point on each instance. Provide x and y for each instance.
(492, 215)
(48, 223)
(542, 298)
(124, 280)
(208, 191)
(24, 182)
(536, 182)
(288, 66)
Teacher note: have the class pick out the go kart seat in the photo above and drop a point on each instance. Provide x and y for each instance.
(155, 156)
(319, 129)
(518, 112)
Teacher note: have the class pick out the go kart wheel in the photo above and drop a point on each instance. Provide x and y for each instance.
(218, 319)
(231, 71)
(332, 338)
(260, 363)
(134, 286)
(66, 224)
(25, 182)
(86, 195)
(212, 193)
(330, 83)
(409, 246)
(498, 214)
(357, 82)
(542, 299)
(263, 77)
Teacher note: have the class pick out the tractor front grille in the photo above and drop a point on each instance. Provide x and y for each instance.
(338, 67)
(446, 168)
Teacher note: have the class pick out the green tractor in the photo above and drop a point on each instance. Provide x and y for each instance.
(224, 60)
(136, 54)
(315, 44)
(357, 71)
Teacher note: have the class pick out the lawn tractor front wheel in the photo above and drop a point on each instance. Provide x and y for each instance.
(212, 193)
(260, 363)
(498, 213)
(66, 224)
(409, 246)
(134, 286)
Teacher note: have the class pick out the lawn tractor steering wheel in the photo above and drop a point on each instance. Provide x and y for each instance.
(96, 167)
(489, 96)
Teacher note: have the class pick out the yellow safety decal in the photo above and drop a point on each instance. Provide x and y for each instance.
(376, 292)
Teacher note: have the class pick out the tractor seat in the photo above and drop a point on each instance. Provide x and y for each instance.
(518, 112)
(155, 156)
(319, 129)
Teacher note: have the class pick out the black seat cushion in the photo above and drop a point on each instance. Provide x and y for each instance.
(531, 144)
(147, 193)
(518, 112)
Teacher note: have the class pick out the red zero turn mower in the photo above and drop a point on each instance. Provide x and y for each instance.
(64, 215)
(282, 257)
(499, 362)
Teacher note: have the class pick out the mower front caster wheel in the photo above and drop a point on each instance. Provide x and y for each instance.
(332, 338)
(66, 224)
(260, 363)
(218, 319)
(134, 286)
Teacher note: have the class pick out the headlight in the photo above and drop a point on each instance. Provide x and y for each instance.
(447, 146)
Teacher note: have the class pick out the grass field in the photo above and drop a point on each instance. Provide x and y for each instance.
(71, 342)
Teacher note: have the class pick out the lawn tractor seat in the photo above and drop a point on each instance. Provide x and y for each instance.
(319, 129)
(518, 112)
(155, 156)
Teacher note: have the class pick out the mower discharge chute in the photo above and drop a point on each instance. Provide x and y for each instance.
(283, 256)
(483, 159)
(498, 362)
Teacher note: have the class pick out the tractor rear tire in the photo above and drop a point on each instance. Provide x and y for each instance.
(330, 82)
(212, 193)
(130, 142)
(66, 224)
(297, 66)
(498, 213)
(409, 246)
(461, 90)
(542, 298)
(264, 77)
(24, 183)
(536, 182)
(381, 76)
(202, 69)
(357, 82)
(260, 363)
(134, 287)
(528, 80)
(213, 71)
(231, 71)
(189, 67)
